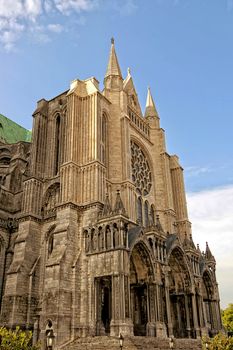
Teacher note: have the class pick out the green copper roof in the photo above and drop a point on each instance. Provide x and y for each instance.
(10, 132)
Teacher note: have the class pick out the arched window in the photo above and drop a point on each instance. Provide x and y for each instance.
(103, 139)
(50, 244)
(139, 210)
(152, 215)
(146, 214)
(57, 144)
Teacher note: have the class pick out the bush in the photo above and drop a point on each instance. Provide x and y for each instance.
(219, 342)
(16, 340)
(227, 318)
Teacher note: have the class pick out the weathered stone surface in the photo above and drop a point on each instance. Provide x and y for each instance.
(95, 238)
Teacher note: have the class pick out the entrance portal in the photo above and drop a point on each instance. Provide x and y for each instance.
(139, 308)
(180, 296)
(140, 275)
(104, 305)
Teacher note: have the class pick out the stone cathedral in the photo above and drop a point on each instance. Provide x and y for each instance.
(95, 238)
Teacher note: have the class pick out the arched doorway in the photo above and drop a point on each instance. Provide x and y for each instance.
(180, 296)
(141, 273)
(104, 305)
(207, 292)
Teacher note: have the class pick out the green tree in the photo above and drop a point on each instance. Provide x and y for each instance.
(16, 340)
(219, 342)
(227, 318)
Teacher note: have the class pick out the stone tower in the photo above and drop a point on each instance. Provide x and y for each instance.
(94, 231)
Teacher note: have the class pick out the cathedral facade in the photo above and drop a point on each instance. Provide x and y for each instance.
(94, 231)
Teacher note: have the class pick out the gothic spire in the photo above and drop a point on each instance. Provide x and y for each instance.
(113, 65)
(107, 209)
(119, 206)
(198, 249)
(191, 242)
(150, 106)
(208, 254)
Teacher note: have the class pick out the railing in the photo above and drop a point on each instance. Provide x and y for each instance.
(139, 122)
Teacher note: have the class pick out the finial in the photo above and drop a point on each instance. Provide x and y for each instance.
(128, 71)
(112, 40)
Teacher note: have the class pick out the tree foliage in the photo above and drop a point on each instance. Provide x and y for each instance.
(16, 339)
(227, 318)
(219, 342)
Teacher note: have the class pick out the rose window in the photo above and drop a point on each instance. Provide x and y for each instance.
(141, 173)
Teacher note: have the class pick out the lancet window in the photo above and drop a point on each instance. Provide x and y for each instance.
(146, 214)
(103, 139)
(57, 144)
(139, 210)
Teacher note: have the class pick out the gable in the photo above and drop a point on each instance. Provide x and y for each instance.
(133, 101)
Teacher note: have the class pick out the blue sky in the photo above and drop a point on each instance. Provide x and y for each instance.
(182, 49)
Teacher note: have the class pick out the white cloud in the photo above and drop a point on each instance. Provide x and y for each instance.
(13, 9)
(211, 214)
(56, 28)
(33, 8)
(66, 6)
(20, 16)
(196, 171)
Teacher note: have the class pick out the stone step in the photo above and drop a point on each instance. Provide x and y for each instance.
(131, 343)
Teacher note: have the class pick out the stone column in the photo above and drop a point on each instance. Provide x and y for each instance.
(188, 327)
(119, 323)
(195, 322)
(168, 307)
(151, 292)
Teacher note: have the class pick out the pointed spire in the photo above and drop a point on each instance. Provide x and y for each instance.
(208, 254)
(119, 206)
(107, 209)
(150, 106)
(113, 65)
(191, 242)
(198, 249)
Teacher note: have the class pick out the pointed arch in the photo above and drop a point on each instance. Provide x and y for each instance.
(103, 139)
(57, 143)
(51, 198)
(180, 294)
(208, 299)
(139, 210)
(141, 278)
(146, 214)
(152, 214)
(50, 240)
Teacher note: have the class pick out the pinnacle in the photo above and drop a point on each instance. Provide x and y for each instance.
(150, 106)
(208, 253)
(113, 65)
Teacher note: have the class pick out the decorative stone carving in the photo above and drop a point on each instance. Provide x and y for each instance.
(141, 173)
(52, 198)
